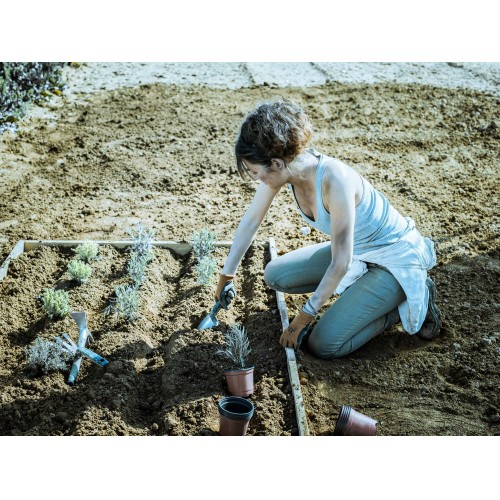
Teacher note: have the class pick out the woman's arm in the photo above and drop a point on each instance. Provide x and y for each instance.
(341, 192)
(248, 226)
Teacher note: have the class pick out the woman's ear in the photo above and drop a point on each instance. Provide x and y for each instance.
(278, 163)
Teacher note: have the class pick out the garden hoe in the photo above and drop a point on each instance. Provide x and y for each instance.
(210, 320)
(79, 350)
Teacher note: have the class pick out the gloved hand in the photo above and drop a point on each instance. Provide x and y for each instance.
(225, 291)
(292, 335)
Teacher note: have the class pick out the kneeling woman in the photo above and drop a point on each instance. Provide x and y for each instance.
(376, 260)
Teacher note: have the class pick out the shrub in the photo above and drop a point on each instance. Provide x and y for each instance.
(205, 270)
(203, 242)
(24, 82)
(136, 268)
(236, 345)
(142, 241)
(125, 303)
(87, 251)
(44, 356)
(55, 303)
(79, 271)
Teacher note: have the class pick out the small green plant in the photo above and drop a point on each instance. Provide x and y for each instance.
(125, 303)
(79, 271)
(205, 270)
(44, 356)
(87, 251)
(236, 345)
(142, 241)
(136, 268)
(203, 242)
(55, 303)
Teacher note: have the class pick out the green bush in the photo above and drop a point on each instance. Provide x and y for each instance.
(137, 267)
(236, 345)
(55, 303)
(87, 251)
(44, 356)
(203, 242)
(126, 303)
(79, 271)
(205, 270)
(22, 83)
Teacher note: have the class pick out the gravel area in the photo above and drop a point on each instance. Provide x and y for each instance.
(92, 77)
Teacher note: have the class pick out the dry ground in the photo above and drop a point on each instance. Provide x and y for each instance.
(163, 155)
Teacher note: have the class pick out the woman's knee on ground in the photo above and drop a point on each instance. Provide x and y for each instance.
(275, 276)
(322, 347)
(271, 274)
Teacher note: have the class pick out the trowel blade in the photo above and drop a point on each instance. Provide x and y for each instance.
(208, 322)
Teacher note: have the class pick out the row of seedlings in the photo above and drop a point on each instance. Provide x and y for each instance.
(127, 300)
(43, 355)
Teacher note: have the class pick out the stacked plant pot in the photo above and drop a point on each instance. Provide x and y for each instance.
(235, 411)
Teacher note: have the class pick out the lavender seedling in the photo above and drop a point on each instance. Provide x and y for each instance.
(87, 251)
(44, 356)
(206, 269)
(126, 303)
(236, 345)
(55, 303)
(136, 268)
(79, 271)
(142, 241)
(203, 242)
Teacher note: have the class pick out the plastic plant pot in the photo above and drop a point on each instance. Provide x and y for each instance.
(234, 415)
(353, 423)
(240, 382)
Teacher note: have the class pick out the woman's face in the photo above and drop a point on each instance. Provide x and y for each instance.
(273, 176)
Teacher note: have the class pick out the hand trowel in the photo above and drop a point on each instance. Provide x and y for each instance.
(210, 320)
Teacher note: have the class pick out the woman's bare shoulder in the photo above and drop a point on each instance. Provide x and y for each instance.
(337, 170)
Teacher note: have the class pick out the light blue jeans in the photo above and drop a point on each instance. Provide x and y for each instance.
(363, 311)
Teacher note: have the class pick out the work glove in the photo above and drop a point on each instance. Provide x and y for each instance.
(225, 291)
(293, 335)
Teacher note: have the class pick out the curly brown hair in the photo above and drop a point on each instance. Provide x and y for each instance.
(278, 129)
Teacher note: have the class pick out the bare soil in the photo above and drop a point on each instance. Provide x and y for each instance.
(159, 154)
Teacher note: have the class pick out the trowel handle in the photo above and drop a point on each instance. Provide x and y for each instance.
(215, 309)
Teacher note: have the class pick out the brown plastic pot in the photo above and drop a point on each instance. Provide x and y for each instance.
(240, 382)
(234, 415)
(353, 423)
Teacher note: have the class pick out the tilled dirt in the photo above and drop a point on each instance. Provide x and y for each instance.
(163, 155)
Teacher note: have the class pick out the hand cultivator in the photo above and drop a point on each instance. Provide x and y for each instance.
(79, 350)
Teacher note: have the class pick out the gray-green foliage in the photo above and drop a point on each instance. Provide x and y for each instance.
(127, 300)
(205, 270)
(136, 268)
(44, 356)
(25, 82)
(79, 271)
(236, 345)
(142, 241)
(87, 251)
(203, 242)
(55, 303)
(125, 303)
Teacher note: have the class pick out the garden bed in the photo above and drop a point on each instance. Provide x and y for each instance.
(163, 375)
(164, 155)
